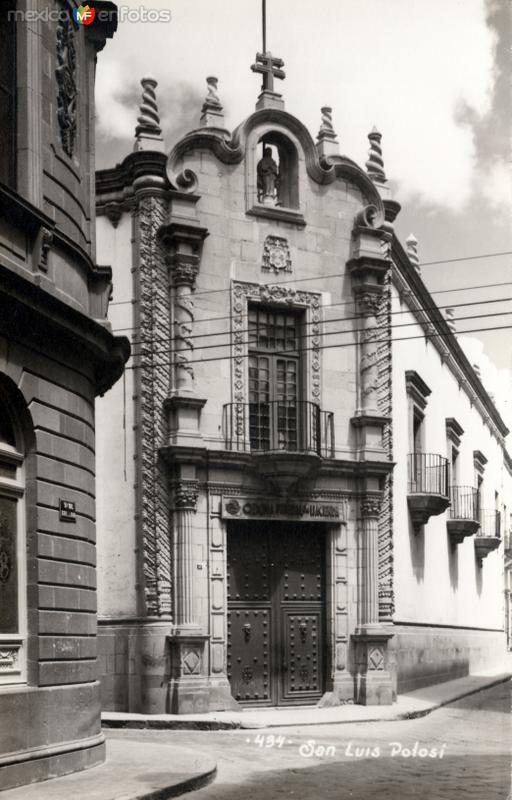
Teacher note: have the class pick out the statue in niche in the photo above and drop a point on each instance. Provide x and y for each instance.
(268, 178)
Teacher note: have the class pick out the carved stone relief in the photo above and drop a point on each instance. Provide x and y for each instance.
(65, 74)
(276, 255)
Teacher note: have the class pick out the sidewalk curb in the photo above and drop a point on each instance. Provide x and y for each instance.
(177, 789)
(460, 696)
(219, 725)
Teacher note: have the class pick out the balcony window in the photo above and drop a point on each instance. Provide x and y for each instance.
(427, 486)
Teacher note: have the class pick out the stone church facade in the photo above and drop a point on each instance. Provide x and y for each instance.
(57, 353)
(248, 545)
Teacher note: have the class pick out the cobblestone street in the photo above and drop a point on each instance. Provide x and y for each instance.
(458, 752)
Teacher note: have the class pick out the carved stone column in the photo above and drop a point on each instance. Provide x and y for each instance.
(183, 243)
(188, 679)
(368, 268)
(185, 503)
(369, 582)
(374, 683)
(183, 269)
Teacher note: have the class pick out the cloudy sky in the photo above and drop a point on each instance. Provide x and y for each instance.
(433, 75)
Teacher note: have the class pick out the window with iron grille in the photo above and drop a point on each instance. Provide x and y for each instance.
(274, 379)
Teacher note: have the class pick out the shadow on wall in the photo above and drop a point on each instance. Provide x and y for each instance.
(479, 577)
(453, 565)
(417, 546)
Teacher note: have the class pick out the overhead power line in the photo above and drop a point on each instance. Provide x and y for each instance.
(328, 276)
(325, 322)
(201, 348)
(204, 320)
(231, 357)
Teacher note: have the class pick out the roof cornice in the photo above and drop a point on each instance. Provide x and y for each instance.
(413, 290)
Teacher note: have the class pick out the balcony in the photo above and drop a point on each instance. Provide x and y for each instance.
(463, 516)
(287, 440)
(488, 537)
(427, 494)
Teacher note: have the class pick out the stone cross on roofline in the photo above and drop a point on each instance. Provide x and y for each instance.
(270, 68)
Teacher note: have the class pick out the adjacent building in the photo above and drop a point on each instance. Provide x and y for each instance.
(57, 353)
(301, 478)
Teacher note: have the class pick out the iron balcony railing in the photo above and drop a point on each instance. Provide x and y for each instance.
(279, 426)
(427, 474)
(463, 503)
(490, 523)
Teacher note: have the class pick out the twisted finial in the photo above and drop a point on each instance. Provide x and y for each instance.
(149, 118)
(212, 111)
(212, 98)
(450, 320)
(375, 163)
(326, 126)
(412, 252)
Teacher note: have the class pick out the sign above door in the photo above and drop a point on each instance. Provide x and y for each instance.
(251, 507)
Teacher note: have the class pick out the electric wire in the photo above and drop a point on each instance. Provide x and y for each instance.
(325, 322)
(335, 275)
(231, 357)
(341, 303)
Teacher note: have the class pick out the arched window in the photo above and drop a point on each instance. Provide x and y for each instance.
(277, 171)
(13, 614)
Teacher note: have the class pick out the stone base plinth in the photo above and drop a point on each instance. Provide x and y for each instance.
(426, 655)
(374, 683)
(48, 731)
(342, 692)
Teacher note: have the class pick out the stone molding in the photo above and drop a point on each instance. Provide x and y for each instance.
(411, 288)
(241, 294)
(232, 150)
(454, 431)
(416, 388)
(186, 494)
(371, 506)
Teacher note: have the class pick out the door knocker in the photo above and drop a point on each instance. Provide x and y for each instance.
(303, 630)
(247, 631)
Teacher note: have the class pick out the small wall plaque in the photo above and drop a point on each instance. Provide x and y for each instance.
(67, 511)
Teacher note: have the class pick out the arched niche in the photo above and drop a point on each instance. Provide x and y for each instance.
(274, 164)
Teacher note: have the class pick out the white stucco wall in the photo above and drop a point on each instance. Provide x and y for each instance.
(435, 584)
(117, 594)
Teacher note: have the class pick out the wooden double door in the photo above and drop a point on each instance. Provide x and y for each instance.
(276, 603)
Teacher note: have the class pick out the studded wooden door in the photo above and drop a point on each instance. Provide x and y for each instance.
(276, 598)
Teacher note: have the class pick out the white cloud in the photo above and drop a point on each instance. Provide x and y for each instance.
(498, 382)
(406, 65)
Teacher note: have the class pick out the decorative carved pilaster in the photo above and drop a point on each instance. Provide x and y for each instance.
(153, 376)
(185, 503)
(183, 242)
(65, 74)
(368, 299)
(384, 399)
(183, 272)
(369, 589)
